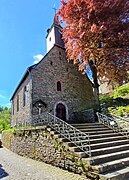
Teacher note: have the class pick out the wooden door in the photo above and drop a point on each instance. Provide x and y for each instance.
(61, 111)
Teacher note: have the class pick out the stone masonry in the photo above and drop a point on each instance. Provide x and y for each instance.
(24, 113)
(41, 81)
(76, 93)
(40, 144)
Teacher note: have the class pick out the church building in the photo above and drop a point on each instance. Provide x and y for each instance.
(53, 85)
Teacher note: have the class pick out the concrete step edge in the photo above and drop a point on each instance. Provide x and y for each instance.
(86, 124)
(101, 151)
(100, 132)
(106, 135)
(94, 129)
(108, 157)
(122, 174)
(89, 127)
(110, 148)
(106, 139)
(112, 165)
(110, 143)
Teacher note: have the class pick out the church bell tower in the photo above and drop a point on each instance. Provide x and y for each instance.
(54, 36)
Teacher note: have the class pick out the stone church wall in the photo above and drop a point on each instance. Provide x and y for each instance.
(76, 91)
(23, 115)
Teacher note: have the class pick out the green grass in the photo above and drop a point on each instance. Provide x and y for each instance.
(118, 102)
(121, 91)
(9, 130)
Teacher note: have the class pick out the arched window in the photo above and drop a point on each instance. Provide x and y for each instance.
(24, 96)
(58, 86)
(17, 103)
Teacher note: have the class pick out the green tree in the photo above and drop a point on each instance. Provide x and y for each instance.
(5, 116)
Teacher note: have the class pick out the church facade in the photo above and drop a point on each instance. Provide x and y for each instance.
(53, 85)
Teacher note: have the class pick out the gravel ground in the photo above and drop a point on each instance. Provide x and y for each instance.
(15, 167)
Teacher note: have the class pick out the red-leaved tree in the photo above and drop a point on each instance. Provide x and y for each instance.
(96, 34)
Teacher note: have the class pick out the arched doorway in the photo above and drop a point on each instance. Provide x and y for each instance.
(61, 111)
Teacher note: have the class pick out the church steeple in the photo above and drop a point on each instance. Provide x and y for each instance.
(54, 35)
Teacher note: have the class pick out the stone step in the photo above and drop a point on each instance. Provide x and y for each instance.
(121, 174)
(87, 130)
(90, 126)
(101, 151)
(109, 144)
(99, 132)
(72, 145)
(73, 136)
(107, 139)
(91, 136)
(108, 150)
(95, 146)
(80, 154)
(111, 166)
(91, 131)
(107, 157)
(86, 124)
(103, 135)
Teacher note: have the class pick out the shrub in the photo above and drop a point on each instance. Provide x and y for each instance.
(105, 99)
(121, 91)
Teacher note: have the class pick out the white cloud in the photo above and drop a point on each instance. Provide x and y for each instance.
(8, 105)
(37, 58)
(1, 96)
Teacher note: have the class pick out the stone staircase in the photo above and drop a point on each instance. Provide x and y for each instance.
(109, 150)
(105, 150)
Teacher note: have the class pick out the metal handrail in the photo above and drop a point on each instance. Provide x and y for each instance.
(118, 124)
(121, 118)
(80, 139)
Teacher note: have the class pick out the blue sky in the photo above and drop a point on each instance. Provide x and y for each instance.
(23, 26)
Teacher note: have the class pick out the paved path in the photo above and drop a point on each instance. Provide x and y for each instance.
(15, 167)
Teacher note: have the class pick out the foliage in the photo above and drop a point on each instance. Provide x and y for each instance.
(105, 99)
(123, 111)
(121, 91)
(97, 34)
(117, 103)
(5, 116)
(9, 130)
(118, 110)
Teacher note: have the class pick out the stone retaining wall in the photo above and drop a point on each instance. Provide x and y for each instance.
(40, 144)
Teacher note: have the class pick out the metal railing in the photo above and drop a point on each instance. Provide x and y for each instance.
(116, 123)
(23, 124)
(80, 139)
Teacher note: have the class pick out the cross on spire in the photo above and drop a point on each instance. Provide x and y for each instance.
(54, 8)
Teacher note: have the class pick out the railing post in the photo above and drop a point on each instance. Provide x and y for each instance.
(89, 145)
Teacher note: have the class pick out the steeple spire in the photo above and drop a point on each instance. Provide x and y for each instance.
(54, 35)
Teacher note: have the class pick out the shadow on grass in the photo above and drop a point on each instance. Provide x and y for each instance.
(109, 101)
